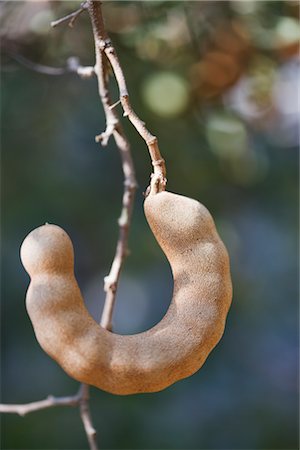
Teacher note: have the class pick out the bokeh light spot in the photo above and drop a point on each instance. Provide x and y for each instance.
(226, 135)
(166, 94)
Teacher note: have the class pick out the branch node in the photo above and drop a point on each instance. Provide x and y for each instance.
(110, 284)
(86, 72)
(152, 141)
(158, 162)
(103, 138)
(104, 43)
(73, 65)
(157, 184)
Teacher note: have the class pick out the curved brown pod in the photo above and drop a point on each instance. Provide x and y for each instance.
(150, 361)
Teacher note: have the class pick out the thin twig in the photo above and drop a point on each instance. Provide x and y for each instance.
(104, 44)
(70, 18)
(49, 402)
(72, 66)
(113, 128)
(36, 67)
(86, 418)
(81, 399)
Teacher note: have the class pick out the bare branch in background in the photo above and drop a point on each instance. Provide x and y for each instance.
(72, 66)
(70, 18)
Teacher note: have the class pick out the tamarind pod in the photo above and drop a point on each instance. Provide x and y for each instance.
(173, 349)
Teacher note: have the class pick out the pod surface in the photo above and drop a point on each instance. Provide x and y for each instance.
(173, 349)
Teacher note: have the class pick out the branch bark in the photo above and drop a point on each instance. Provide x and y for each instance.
(114, 128)
(104, 44)
(49, 402)
(81, 400)
(86, 418)
(70, 18)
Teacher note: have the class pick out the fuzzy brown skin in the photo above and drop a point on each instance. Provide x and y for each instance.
(150, 361)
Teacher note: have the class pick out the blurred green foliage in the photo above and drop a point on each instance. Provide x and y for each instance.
(217, 83)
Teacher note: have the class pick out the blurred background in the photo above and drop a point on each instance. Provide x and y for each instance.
(217, 82)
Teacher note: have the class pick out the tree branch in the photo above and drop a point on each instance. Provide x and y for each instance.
(70, 18)
(72, 66)
(81, 399)
(104, 44)
(49, 402)
(113, 128)
(86, 418)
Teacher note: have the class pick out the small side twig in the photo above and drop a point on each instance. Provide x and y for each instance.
(70, 18)
(49, 402)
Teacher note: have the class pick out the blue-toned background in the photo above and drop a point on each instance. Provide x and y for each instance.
(217, 82)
